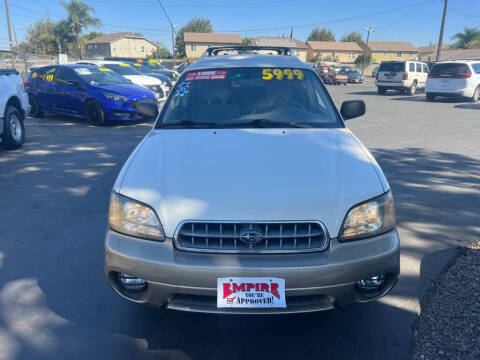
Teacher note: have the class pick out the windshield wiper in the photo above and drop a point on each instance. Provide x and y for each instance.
(264, 123)
(187, 124)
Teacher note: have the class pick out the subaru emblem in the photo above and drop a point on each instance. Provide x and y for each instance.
(251, 236)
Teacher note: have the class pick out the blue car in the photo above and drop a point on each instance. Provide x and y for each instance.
(99, 94)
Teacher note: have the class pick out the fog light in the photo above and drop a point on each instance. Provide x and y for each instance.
(131, 282)
(373, 283)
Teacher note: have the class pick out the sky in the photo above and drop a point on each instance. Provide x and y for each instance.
(416, 21)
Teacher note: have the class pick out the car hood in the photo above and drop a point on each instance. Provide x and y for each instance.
(129, 90)
(143, 80)
(251, 174)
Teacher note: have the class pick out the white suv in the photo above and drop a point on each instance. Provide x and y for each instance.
(13, 107)
(454, 78)
(404, 76)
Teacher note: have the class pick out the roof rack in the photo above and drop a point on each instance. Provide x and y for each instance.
(281, 50)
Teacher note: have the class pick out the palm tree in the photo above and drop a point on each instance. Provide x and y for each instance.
(469, 39)
(79, 18)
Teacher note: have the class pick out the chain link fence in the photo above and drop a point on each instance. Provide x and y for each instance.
(23, 62)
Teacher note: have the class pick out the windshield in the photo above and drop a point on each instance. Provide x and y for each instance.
(142, 68)
(449, 70)
(249, 97)
(122, 69)
(100, 76)
(392, 66)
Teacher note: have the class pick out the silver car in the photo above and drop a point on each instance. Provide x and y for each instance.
(251, 196)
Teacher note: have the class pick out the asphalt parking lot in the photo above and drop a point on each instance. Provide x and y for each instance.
(55, 303)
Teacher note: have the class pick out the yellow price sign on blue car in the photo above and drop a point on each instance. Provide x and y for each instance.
(282, 74)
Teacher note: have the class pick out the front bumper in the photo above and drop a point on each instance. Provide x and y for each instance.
(314, 281)
(118, 110)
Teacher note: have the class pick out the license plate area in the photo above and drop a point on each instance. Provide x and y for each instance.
(251, 292)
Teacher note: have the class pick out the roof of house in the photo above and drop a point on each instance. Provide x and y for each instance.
(391, 46)
(212, 38)
(279, 41)
(334, 46)
(431, 48)
(110, 38)
(456, 54)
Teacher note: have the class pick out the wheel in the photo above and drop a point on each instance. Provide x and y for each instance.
(430, 97)
(94, 113)
(14, 130)
(413, 89)
(35, 109)
(476, 95)
(381, 91)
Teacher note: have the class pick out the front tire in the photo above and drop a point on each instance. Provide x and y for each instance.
(14, 129)
(94, 113)
(35, 108)
(476, 95)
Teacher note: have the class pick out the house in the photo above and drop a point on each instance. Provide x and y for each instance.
(298, 47)
(197, 43)
(391, 50)
(453, 54)
(122, 44)
(346, 51)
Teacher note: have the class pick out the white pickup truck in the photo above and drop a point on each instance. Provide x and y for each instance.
(13, 108)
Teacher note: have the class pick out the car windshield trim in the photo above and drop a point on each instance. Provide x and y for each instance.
(285, 115)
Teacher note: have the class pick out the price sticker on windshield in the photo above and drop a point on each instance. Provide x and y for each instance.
(104, 69)
(124, 65)
(282, 74)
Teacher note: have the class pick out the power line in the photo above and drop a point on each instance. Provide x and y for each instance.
(332, 21)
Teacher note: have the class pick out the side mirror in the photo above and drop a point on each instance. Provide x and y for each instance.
(352, 108)
(147, 109)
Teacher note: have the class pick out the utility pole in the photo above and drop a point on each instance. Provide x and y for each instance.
(440, 39)
(369, 30)
(15, 33)
(9, 32)
(173, 46)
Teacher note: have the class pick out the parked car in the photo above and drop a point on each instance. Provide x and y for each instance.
(404, 76)
(375, 71)
(454, 78)
(97, 93)
(153, 64)
(135, 76)
(166, 82)
(353, 75)
(13, 107)
(249, 195)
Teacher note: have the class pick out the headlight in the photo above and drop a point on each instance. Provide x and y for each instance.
(370, 218)
(155, 88)
(130, 217)
(116, 97)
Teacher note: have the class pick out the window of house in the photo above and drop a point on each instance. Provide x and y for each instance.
(412, 54)
(143, 48)
(320, 54)
(193, 47)
(95, 46)
(399, 54)
(351, 55)
(334, 54)
(385, 53)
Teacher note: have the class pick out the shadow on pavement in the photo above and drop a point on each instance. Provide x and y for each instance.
(56, 304)
(468, 106)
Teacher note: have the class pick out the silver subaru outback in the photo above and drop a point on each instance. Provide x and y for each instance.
(249, 195)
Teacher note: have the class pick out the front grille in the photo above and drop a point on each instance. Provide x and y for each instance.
(251, 237)
(134, 103)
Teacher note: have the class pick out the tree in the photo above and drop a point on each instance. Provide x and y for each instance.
(246, 41)
(79, 17)
(353, 37)
(63, 35)
(201, 25)
(359, 59)
(40, 38)
(469, 39)
(323, 34)
(162, 52)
